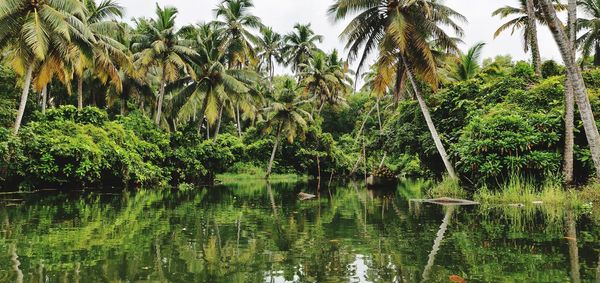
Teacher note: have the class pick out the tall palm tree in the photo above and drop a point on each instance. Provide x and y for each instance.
(466, 66)
(286, 117)
(523, 21)
(589, 41)
(211, 85)
(299, 46)
(102, 58)
(161, 50)
(32, 29)
(576, 78)
(403, 31)
(269, 46)
(234, 17)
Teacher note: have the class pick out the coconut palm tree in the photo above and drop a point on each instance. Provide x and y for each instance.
(403, 31)
(589, 41)
(102, 58)
(325, 78)
(269, 46)
(286, 117)
(161, 50)
(299, 46)
(522, 20)
(576, 78)
(234, 17)
(32, 29)
(211, 85)
(466, 66)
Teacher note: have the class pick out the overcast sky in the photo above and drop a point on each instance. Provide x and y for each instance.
(283, 14)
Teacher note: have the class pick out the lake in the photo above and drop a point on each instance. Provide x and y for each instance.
(254, 232)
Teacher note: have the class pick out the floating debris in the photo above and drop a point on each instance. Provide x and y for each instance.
(537, 202)
(519, 205)
(305, 196)
(447, 201)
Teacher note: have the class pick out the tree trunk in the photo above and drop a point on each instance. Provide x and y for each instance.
(238, 120)
(428, 120)
(533, 38)
(161, 96)
(23, 103)
(574, 74)
(44, 98)
(219, 122)
(277, 137)
(79, 92)
(123, 106)
(570, 101)
(597, 55)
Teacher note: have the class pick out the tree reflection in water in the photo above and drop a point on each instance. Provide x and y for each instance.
(259, 232)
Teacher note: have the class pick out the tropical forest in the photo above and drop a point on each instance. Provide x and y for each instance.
(151, 149)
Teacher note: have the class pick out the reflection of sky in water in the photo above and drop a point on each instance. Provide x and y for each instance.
(359, 267)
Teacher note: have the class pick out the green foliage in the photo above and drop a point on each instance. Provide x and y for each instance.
(550, 69)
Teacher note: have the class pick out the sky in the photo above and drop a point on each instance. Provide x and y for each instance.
(283, 14)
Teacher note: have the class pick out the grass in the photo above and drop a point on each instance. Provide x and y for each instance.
(448, 187)
(519, 190)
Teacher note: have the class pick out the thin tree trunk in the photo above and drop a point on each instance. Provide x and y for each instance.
(44, 98)
(239, 120)
(270, 167)
(570, 102)
(123, 106)
(79, 93)
(574, 74)
(597, 55)
(429, 121)
(219, 122)
(533, 38)
(23, 101)
(161, 96)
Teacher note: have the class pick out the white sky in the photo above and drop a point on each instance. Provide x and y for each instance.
(283, 14)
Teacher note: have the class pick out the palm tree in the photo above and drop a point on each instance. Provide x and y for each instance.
(523, 21)
(269, 46)
(589, 41)
(299, 46)
(404, 31)
(105, 55)
(234, 18)
(466, 66)
(576, 78)
(32, 29)
(161, 50)
(570, 99)
(211, 85)
(325, 78)
(287, 118)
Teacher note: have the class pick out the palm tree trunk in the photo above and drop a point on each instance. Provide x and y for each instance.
(533, 38)
(570, 102)
(161, 96)
(277, 137)
(219, 122)
(123, 106)
(23, 101)
(239, 120)
(44, 98)
(597, 55)
(79, 92)
(428, 120)
(574, 74)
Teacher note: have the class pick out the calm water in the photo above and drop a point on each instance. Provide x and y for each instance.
(252, 232)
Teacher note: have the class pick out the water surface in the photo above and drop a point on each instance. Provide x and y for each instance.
(254, 232)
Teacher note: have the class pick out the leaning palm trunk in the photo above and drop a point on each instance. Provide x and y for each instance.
(434, 134)
(23, 102)
(570, 101)
(574, 75)
(161, 96)
(277, 137)
(239, 120)
(533, 38)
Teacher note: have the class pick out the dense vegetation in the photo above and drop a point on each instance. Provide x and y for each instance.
(99, 102)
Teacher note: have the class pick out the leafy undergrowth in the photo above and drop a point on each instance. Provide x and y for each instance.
(448, 187)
